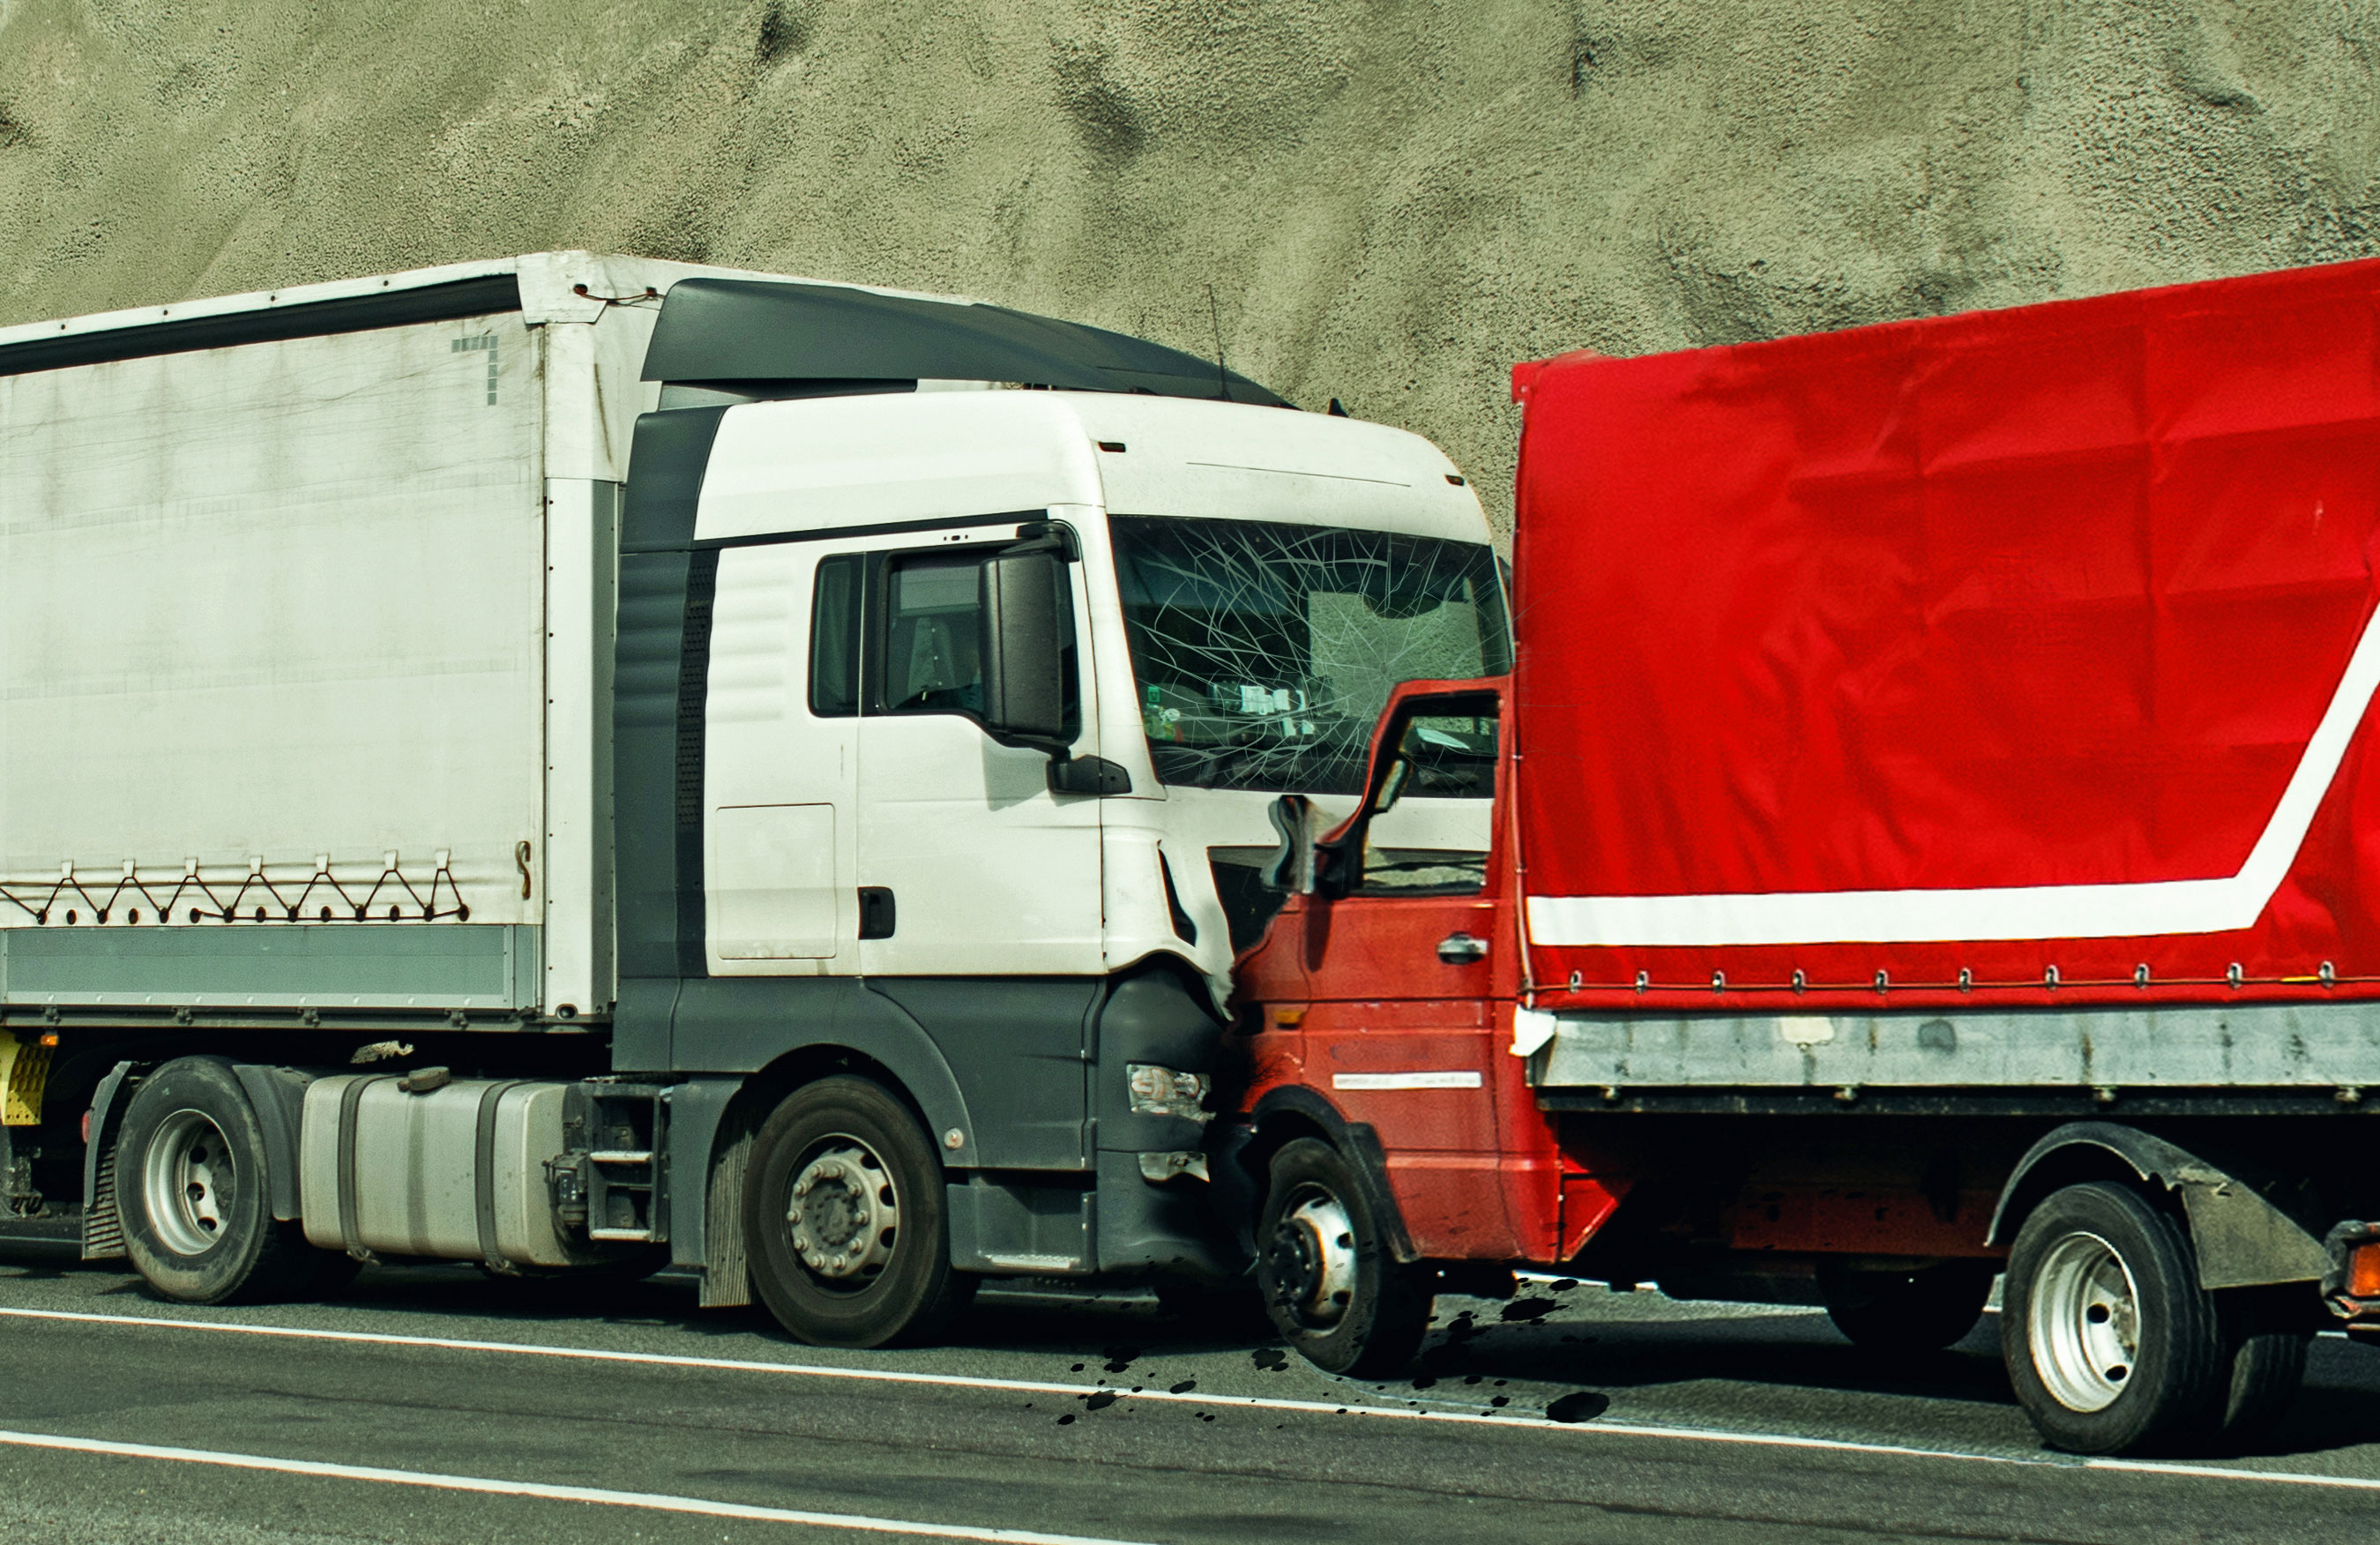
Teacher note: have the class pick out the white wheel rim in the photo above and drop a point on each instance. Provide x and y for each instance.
(2084, 1322)
(1316, 1242)
(188, 1182)
(843, 1213)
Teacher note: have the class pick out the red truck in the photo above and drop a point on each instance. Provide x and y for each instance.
(1930, 830)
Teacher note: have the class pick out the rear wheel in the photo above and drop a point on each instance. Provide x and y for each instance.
(844, 1216)
(2110, 1343)
(1923, 1310)
(1334, 1289)
(2268, 1361)
(195, 1195)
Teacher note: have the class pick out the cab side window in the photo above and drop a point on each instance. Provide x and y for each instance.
(1412, 849)
(903, 633)
(834, 635)
(934, 635)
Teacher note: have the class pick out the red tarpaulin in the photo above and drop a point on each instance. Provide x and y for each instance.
(1999, 644)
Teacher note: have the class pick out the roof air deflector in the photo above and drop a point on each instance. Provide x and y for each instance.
(722, 331)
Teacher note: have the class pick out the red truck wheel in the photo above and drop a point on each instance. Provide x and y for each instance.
(844, 1217)
(2110, 1343)
(1334, 1290)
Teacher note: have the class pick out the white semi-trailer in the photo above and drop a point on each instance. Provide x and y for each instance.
(580, 761)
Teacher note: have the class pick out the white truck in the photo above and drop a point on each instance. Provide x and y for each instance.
(583, 762)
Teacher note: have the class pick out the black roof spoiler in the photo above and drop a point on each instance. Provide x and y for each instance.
(727, 331)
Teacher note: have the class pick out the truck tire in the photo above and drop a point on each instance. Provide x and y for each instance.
(1923, 1311)
(2110, 1343)
(195, 1195)
(843, 1216)
(2268, 1366)
(1334, 1290)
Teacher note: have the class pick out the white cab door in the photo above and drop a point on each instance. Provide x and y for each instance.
(988, 873)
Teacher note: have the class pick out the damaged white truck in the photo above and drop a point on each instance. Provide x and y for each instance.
(576, 762)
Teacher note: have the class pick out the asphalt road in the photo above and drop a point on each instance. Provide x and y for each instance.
(430, 1404)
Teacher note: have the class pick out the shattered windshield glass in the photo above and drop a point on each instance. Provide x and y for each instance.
(1265, 652)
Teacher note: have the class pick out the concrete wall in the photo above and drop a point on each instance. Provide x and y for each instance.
(1392, 200)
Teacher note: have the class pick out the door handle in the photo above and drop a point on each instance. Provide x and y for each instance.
(875, 912)
(1461, 949)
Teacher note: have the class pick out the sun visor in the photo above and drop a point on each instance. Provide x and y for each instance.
(747, 330)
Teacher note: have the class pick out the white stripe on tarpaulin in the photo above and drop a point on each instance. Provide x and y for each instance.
(1411, 1412)
(657, 1502)
(2143, 908)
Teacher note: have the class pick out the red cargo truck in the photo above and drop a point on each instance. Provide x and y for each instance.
(1932, 829)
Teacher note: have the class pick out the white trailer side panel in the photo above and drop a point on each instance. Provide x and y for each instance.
(278, 602)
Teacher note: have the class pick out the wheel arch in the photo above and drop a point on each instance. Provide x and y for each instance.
(1285, 1114)
(2243, 1239)
(711, 1235)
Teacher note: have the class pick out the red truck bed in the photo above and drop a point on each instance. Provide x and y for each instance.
(2007, 658)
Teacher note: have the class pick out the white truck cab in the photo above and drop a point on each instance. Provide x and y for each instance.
(1243, 585)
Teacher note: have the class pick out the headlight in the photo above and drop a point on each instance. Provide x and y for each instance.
(1161, 1091)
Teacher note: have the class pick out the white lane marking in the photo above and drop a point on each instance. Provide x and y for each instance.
(1405, 1080)
(658, 1501)
(1209, 1398)
(2277, 1477)
(2117, 910)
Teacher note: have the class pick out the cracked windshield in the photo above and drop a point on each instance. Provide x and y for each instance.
(1265, 652)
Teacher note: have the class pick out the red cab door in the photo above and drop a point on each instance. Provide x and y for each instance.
(1405, 956)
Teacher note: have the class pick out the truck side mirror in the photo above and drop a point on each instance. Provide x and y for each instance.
(1024, 681)
(1291, 869)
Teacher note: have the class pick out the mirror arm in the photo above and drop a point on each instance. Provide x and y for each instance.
(1330, 863)
(1047, 536)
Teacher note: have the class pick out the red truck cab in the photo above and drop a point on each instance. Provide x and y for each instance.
(1375, 1020)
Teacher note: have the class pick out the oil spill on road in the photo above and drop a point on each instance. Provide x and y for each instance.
(1578, 1405)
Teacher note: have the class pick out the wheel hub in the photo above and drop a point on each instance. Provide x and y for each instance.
(188, 1182)
(2083, 1322)
(842, 1211)
(1312, 1258)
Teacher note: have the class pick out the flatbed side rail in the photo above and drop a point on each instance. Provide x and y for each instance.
(2279, 1052)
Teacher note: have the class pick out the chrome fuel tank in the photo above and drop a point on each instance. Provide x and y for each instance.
(446, 1172)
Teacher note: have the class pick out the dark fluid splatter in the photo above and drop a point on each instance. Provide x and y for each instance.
(1578, 1405)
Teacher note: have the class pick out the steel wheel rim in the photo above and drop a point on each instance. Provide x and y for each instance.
(2083, 1322)
(843, 1213)
(188, 1182)
(1314, 1259)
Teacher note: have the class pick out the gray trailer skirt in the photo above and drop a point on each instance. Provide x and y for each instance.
(332, 965)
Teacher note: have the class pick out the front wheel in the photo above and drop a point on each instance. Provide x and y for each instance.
(1334, 1288)
(844, 1217)
(2110, 1343)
